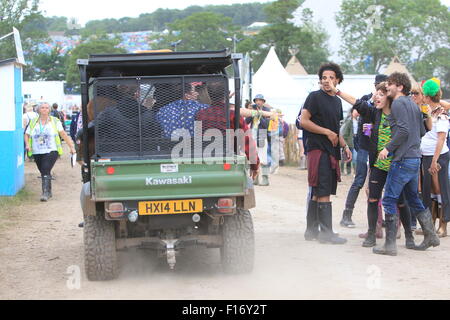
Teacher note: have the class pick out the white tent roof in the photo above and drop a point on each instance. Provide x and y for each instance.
(295, 68)
(278, 87)
(397, 66)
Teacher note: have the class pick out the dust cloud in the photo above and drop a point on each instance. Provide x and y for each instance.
(42, 243)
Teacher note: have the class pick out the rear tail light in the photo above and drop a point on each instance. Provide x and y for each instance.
(227, 167)
(115, 210)
(225, 205)
(110, 170)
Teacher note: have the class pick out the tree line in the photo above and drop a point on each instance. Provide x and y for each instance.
(240, 14)
(417, 31)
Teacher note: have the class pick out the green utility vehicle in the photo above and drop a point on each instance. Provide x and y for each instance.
(161, 169)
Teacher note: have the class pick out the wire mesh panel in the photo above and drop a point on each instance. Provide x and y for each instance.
(150, 116)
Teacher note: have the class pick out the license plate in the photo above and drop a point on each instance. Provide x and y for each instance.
(150, 208)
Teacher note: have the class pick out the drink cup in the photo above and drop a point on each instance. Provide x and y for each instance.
(368, 129)
(424, 108)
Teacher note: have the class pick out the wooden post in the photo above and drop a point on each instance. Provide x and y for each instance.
(291, 148)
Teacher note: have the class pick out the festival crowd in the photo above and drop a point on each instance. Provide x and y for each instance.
(396, 139)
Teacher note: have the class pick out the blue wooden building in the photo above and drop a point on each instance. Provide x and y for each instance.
(11, 131)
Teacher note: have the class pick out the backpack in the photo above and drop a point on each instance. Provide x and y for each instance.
(59, 115)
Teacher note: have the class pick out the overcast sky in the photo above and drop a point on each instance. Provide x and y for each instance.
(85, 10)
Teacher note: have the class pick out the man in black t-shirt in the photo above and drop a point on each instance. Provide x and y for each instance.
(321, 117)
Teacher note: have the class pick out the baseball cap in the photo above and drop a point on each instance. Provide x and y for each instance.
(260, 97)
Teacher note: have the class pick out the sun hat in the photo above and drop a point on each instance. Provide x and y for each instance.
(260, 97)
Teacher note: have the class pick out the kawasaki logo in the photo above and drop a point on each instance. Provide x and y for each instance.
(157, 182)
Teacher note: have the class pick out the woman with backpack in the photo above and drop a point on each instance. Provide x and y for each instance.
(43, 141)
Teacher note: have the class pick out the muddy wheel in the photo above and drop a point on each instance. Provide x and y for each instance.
(238, 250)
(100, 258)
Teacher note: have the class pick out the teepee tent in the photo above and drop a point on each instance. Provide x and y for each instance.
(295, 68)
(397, 66)
(278, 87)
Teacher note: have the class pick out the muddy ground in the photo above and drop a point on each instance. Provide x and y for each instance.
(41, 250)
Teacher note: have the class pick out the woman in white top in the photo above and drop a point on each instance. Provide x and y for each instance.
(43, 142)
(435, 157)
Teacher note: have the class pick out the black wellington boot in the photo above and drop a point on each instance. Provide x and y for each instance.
(430, 237)
(46, 182)
(326, 234)
(405, 218)
(372, 218)
(312, 223)
(347, 219)
(390, 246)
(50, 188)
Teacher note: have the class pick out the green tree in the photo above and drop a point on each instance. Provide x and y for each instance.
(437, 64)
(375, 31)
(94, 45)
(50, 66)
(56, 24)
(309, 39)
(25, 16)
(200, 31)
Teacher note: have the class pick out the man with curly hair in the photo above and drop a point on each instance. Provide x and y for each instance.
(407, 127)
(321, 117)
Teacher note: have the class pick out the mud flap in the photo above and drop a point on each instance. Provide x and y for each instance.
(87, 205)
(249, 198)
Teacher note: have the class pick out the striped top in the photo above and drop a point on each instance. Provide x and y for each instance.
(384, 137)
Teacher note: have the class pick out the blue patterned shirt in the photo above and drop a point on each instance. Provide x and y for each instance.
(179, 114)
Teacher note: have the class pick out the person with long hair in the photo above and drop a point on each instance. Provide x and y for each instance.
(43, 142)
(361, 143)
(435, 158)
(380, 136)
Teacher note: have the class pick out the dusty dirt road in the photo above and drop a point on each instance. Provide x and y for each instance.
(41, 246)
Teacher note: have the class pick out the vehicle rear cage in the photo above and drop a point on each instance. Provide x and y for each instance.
(136, 117)
(142, 67)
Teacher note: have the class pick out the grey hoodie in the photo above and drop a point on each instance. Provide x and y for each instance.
(407, 129)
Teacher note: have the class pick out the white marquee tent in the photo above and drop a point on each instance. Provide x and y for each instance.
(288, 93)
(278, 87)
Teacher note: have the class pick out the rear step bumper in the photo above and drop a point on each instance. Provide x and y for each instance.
(210, 241)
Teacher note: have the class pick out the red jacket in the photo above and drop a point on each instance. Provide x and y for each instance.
(313, 167)
(214, 118)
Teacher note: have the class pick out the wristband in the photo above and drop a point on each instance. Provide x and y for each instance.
(338, 92)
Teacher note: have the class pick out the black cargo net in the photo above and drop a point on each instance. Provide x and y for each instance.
(150, 117)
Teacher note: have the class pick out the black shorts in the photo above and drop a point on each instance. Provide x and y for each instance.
(327, 178)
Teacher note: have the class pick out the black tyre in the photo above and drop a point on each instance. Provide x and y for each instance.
(238, 250)
(100, 257)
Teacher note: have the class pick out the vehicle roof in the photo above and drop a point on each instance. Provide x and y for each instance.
(159, 63)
